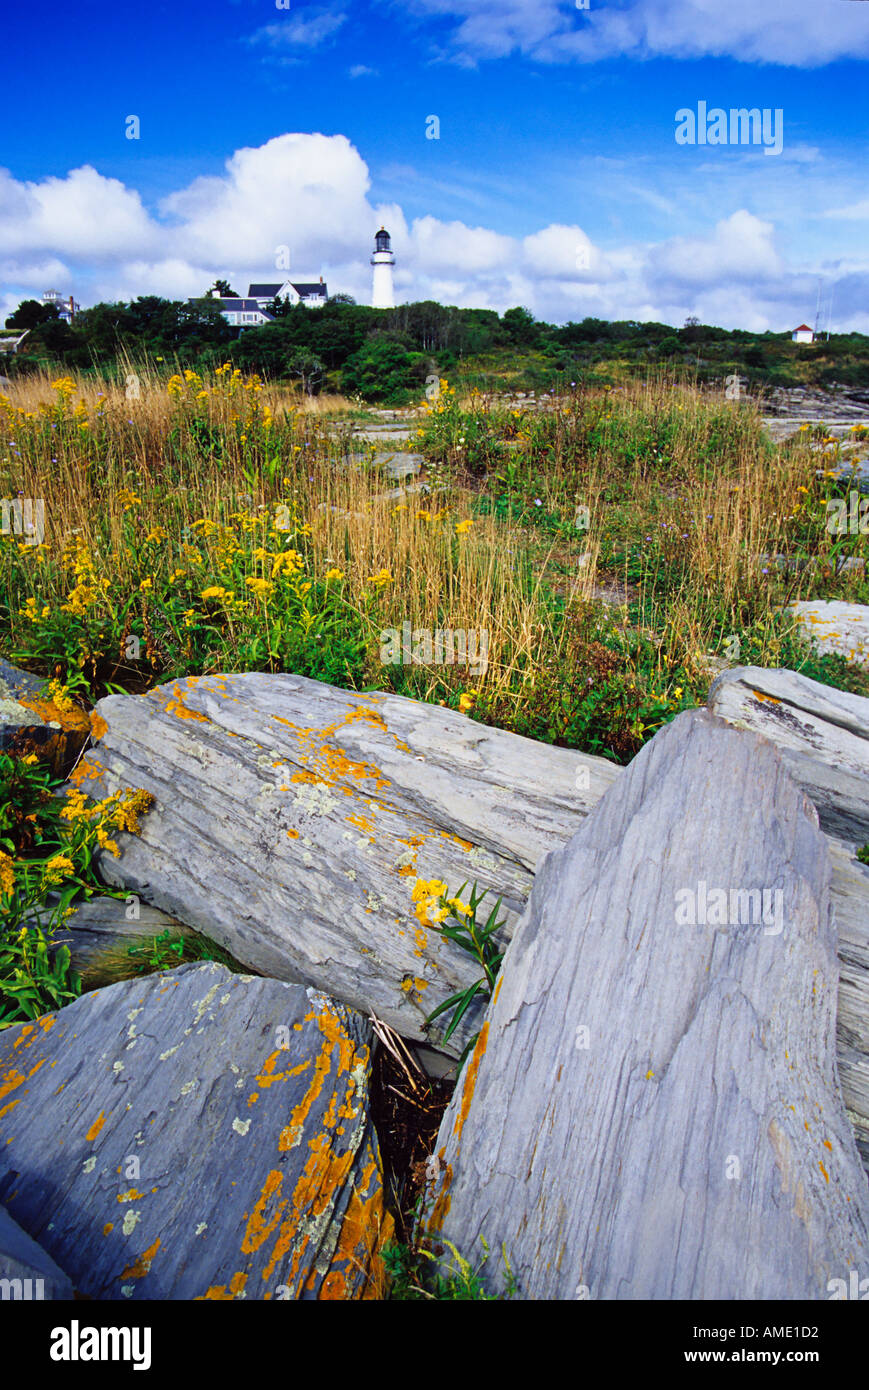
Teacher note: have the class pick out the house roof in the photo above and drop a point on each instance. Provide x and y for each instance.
(303, 288)
(803, 328)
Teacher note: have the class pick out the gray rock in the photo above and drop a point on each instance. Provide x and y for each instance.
(823, 737)
(195, 1135)
(292, 821)
(850, 885)
(26, 1271)
(14, 682)
(99, 935)
(653, 1110)
(823, 734)
(836, 627)
(400, 466)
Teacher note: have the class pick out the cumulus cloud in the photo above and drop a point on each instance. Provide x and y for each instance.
(805, 33)
(740, 248)
(311, 194)
(82, 214)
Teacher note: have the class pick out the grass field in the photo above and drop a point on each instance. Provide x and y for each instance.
(216, 524)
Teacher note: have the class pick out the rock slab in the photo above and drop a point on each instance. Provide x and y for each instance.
(837, 628)
(195, 1135)
(652, 1110)
(823, 735)
(293, 820)
(26, 1272)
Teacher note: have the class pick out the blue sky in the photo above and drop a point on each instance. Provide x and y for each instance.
(556, 180)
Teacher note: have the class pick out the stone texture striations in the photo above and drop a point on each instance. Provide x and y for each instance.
(196, 1135)
(653, 1110)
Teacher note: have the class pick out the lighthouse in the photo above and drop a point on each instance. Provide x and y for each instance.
(382, 295)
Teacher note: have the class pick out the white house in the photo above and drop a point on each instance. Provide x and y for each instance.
(312, 293)
(241, 313)
(803, 334)
(65, 306)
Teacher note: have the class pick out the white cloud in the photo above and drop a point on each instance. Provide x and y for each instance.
(299, 31)
(563, 253)
(91, 236)
(803, 33)
(854, 212)
(451, 245)
(740, 249)
(82, 214)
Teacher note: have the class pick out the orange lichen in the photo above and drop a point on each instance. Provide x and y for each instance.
(258, 1228)
(95, 1127)
(219, 1291)
(441, 1207)
(268, 1076)
(464, 844)
(98, 726)
(87, 770)
(471, 1080)
(142, 1265)
(370, 715)
(14, 1079)
(333, 1035)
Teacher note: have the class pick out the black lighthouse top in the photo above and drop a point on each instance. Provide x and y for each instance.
(381, 241)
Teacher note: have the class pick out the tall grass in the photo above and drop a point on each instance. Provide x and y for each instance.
(155, 500)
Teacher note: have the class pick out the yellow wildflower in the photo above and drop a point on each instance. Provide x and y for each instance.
(263, 587)
(57, 867)
(59, 696)
(380, 578)
(7, 874)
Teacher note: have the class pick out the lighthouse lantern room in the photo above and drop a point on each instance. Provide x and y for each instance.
(382, 293)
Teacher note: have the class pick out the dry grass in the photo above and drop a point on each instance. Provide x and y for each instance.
(682, 494)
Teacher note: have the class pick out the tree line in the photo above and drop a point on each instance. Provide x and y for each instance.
(387, 354)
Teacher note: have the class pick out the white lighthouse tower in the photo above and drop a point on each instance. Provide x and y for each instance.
(382, 294)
